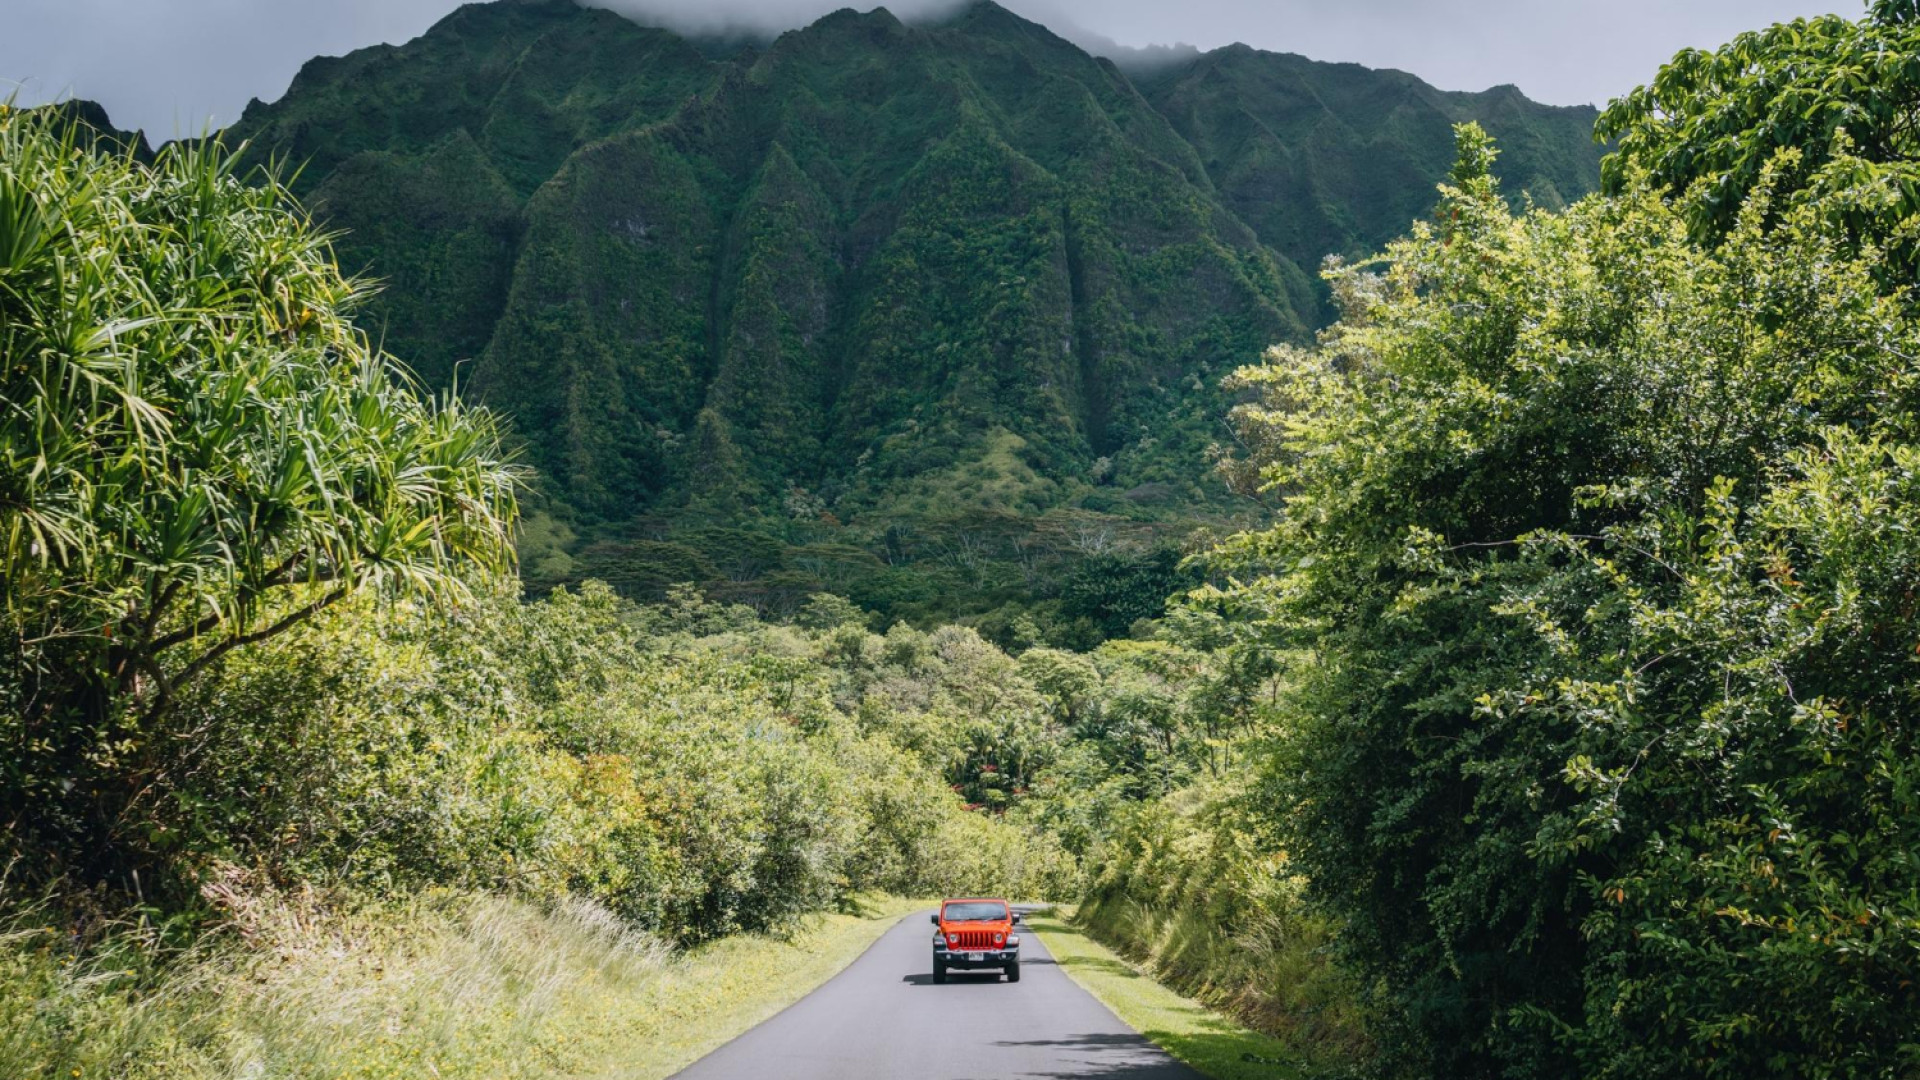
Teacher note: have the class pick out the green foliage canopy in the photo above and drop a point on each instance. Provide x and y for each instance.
(1117, 591)
(1826, 104)
(688, 768)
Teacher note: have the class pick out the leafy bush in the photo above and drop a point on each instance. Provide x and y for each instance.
(1746, 814)
(1117, 591)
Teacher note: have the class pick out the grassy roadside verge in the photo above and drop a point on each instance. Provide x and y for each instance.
(1204, 1039)
(715, 993)
(447, 986)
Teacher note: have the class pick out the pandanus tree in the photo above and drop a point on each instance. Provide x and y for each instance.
(198, 451)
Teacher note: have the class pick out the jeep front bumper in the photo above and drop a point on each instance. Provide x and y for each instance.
(976, 958)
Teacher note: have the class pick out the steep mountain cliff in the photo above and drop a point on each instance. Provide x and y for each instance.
(868, 253)
(866, 274)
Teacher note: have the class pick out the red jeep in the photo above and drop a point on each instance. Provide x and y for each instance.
(976, 934)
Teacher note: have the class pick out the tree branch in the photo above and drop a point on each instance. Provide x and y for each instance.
(280, 577)
(1670, 568)
(144, 625)
(213, 655)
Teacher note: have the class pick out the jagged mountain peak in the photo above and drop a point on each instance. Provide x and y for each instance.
(93, 124)
(877, 18)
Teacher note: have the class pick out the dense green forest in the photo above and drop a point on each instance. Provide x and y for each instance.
(1548, 714)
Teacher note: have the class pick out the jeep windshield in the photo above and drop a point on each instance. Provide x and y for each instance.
(981, 912)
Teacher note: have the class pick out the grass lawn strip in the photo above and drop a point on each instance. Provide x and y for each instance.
(1188, 1030)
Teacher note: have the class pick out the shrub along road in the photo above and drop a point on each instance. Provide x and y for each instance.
(883, 1018)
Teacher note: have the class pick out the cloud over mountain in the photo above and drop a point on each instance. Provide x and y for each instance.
(769, 18)
(170, 67)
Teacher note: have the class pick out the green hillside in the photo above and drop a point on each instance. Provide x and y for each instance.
(929, 310)
(1336, 158)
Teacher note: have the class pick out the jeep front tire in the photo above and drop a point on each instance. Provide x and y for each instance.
(1013, 971)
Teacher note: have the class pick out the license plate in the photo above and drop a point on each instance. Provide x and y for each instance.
(976, 956)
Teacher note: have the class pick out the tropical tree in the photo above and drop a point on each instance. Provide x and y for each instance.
(198, 451)
(1824, 107)
(1592, 540)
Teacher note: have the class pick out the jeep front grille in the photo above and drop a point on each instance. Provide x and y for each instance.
(974, 939)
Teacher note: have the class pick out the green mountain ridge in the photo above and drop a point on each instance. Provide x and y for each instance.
(867, 273)
(1324, 158)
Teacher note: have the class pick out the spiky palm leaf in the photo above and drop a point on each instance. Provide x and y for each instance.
(197, 449)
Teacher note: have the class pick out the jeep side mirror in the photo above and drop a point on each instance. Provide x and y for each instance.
(1016, 916)
(934, 918)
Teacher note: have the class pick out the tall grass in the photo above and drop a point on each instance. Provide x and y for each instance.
(447, 984)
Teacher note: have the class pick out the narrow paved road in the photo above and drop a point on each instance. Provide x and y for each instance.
(883, 1019)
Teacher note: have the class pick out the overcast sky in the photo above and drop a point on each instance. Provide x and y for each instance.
(172, 67)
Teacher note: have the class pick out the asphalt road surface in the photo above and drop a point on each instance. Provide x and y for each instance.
(883, 1019)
